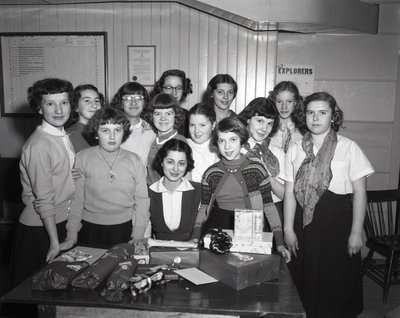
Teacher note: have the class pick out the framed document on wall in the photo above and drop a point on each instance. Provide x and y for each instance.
(78, 57)
(142, 64)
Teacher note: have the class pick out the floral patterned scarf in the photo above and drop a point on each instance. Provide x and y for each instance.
(262, 151)
(314, 174)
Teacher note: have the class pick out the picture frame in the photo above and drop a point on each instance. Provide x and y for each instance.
(26, 57)
(142, 64)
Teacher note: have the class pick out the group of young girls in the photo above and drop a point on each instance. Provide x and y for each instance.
(149, 167)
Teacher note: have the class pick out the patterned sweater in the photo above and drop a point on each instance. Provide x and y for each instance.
(256, 191)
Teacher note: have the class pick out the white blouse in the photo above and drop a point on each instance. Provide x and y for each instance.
(203, 158)
(349, 164)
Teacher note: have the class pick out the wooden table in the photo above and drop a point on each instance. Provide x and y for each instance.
(181, 298)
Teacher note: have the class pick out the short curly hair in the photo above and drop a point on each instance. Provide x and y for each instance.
(106, 115)
(173, 145)
(297, 116)
(186, 82)
(130, 88)
(230, 124)
(337, 113)
(164, 101)
(45, 87)
(264, 107)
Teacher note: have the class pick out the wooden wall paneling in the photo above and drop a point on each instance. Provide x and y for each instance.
(222, 56)
(166, 37)
(212, 45)
(146, 24)
(89, 17)
(120, 72)
(251, 65)
(129, 18)
(99, 9)
(193, 62)
(232, 60)
(80, 16)
(184, 38)
(109, 27)
(133, 17)
(156, 34)
(203, 57)
(62, 17)
(30, 19)
(241, 69)
(395, 153)
(174, 47)
(14, 20)
(272, 54)
(261, 65)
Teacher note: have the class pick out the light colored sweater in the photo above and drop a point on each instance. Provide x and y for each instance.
(203, 158)
(99, 201)
(46, 179)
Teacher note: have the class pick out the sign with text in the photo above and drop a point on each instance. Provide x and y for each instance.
(301, 75)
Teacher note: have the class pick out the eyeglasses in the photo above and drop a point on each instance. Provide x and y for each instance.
(170, 89)
(132, 98)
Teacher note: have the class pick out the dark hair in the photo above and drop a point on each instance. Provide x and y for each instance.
(130, 88)
(76, 96)
(205, 110)
(337, 113)
(231, 124)
(45, 87)
(164, 101)
(106, 115)
(220, 79)
(173, 145)
(186, 82)
(264, 107)
(297, 116)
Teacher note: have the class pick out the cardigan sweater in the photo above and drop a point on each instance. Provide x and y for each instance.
(256, 188)
(190, 205)
(46, 179)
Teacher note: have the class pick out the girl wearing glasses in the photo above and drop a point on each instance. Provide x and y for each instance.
(133, 98)
(85, 101)
(175, 83)
(222, 89)
(166, 115)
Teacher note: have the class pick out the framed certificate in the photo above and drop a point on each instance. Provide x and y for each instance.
(78, 57)
(142, 64)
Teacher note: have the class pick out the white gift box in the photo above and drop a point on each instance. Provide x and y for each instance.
(256, 245)
(248, 223)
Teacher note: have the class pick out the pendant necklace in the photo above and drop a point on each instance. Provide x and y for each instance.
(111, 175)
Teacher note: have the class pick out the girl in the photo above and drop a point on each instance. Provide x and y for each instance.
(174, 201)
(133, 98)
(222, 89)
(325, 175)
(288, 102)
(176, 83)
(46, 161)
(262, 120)
(201, 125)
(166, 115)
(235, 182)
(86, 100)
(110, 204)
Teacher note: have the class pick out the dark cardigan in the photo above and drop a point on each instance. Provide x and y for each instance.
(190, 205)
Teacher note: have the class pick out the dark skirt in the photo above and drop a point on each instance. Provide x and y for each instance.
(31, 244)
(328, 280)
(104, 236)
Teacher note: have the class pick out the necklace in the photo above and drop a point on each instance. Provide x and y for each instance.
(111, 175)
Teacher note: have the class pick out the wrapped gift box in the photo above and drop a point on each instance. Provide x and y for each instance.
(257, 245)
(248, 223)
(240, 270)
(189, 257)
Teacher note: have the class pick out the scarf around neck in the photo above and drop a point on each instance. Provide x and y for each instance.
(262, 151)
(314, 175)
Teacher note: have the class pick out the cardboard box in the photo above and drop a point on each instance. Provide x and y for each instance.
(240, 270)
(189, 257)
(257, 245)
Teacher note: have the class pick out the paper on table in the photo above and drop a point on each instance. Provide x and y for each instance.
(195, 276)
(179, 244)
